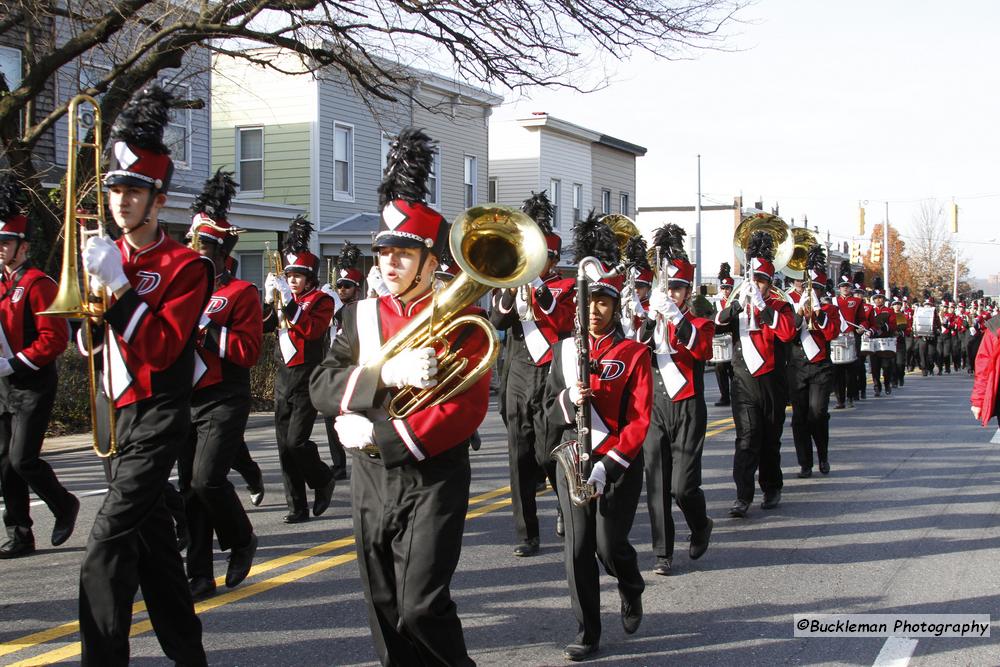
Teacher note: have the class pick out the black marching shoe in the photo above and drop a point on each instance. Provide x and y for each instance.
(878, 392)
(202, 588)
(924, 373)
(340, 474)
(739, 509)
(560, 526)
(297, 516)
(850, 402)
(240, 562)
(699, 541)
(17, 547)
(65, 524)
(805, 473)
(256, 489)
(663, 566)
(578, 652)
(631, 613)
(888, 390)
(824, 467)
(323, 497)
(771, 500)
(527, 548)
(722, 402)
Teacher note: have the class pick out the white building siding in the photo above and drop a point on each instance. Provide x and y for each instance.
(614, 170)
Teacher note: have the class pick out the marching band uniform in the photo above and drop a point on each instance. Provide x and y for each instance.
(944, 340)
(672, 449)
(29, 346)
(958, 337)
(724, 369)
(927, 344)
(298, 350)
(410, 476)
(904, 332)
(526, 366)
(882, 323)
(759, 387)
(621, 381)
(860, 381)
(153, 326)
(228, 345)
(810, 374)
(850, 309)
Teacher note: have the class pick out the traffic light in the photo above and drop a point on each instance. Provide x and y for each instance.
(855, 252)
(954, 218)
(861, 221)
(876, 253)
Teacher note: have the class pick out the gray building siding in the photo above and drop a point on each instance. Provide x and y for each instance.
(613, 170)
(45, 100)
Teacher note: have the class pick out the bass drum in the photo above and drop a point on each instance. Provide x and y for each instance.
(842, 350)
(722, 348)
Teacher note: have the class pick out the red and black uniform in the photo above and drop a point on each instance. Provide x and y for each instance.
(31, 344)
(621, 380)
(944, 342)
(410, 498)
(882, 322)
(927, 344)
(527, 357)
(151, 360)
(845, 376)
(723, 369)
(760, 389)
(227, 347)
(904, 332)
(298, 351)
(338, 457)
(676, 438)
(810, 379)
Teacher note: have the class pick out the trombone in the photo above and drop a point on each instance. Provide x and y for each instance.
(275, 266)
(75, 298)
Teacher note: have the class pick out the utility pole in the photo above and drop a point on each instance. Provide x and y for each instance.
(697, 235)
(885, 249)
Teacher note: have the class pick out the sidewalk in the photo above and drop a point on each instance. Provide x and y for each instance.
(79, 442)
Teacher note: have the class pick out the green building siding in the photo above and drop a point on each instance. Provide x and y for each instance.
(286, 160)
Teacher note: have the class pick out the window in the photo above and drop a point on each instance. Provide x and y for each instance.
(250, 156)
(577, 202)
(494, 190)
(605, 201)
(433, 182)
(251, 268)
(623, 203)
(470, 181)
(554, 196)
(343, 161)
(10, 65)
(177, 133)
(91, 74)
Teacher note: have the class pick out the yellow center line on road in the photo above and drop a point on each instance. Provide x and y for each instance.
(50, 634)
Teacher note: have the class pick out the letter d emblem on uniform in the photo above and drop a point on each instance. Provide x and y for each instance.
(611, 369)
(148, 281)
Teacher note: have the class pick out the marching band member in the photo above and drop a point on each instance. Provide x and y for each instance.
(859, 292)
(228, 345)
(158, 290)
(619, 390)
(532, 326)
(810, 372)
(958, 335)
(301, 319)
(904, 329)
(348, 290)
(927, 344)
(29, 346)
(410, 475)
(672, 449)
(759, 383)
(633, 317)
(724, 369)
(851, 314)
(882, 323)
(944, 339)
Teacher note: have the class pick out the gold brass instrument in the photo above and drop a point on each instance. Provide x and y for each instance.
(528, 296)
(75, 298)
(496, 247)
(329, 272)
(802, 240)
(784, 244)
(276, 266)
(624, 229)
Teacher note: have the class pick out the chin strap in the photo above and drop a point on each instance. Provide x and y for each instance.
(424, 254)
(145, 213)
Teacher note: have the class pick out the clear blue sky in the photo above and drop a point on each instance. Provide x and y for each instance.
(817, 106)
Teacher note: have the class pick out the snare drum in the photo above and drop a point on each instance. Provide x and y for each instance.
(923, 321)
(884, 347)
(842, 350)
(722, 348)
(866, 345)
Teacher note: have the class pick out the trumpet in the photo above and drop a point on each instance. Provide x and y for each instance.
(75, 299)
(275, 266)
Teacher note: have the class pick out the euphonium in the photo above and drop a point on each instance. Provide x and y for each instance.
(75, 298)
(495, 246)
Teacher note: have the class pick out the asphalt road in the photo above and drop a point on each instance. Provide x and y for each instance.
(908, 522)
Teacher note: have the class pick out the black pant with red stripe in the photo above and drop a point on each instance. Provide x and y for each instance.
(809, 386)
(294, 417)
(133, 544)
(759, 415)
(672, 452)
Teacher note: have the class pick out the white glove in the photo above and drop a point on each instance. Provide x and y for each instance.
(756, 298)
(375, 282)
(5, 367)
(574, 395)
(673, 313)
(281, 284)
(411, 368)
(659, 302)
(332, 293)
(327, 289)
(598, 477)
(103, 261)
(355, 431)
(269, 288)
(637, 305)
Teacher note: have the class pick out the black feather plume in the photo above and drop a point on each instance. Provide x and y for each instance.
(725, 271)
(407, 166)
(670, 240)
(878, 283)
(10, 197)
(816, 261)
(142, 120)
(593, 238)
(539, 208)
(761, 245)
(3, 84)
(216, 195)
(349, 256)
(845, 268)
(927, 294)
(636, 252)
(299, 233)
(859, 278)
(830, 287)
